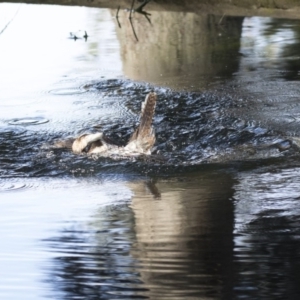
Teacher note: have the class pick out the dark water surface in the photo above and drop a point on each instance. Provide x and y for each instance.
(214, 213)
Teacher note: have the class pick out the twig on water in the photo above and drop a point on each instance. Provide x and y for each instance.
(131, 9)
(10, 20)
(221, 19)
(142, 12)
(73, 36)
(117, 17)
(130, 20)
(133, 30)
(139, 10)
(220, 25)
(85, 36)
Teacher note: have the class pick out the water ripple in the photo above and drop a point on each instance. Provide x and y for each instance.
(28, 121)
(10, 187)
(6, 131)
(68, 91)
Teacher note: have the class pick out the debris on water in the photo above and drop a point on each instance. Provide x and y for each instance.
(78, 35)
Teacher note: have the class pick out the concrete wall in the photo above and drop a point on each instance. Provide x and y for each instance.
(274, 8)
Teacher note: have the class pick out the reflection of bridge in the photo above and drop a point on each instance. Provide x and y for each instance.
(251, 58)
(173, 240)
(179, 235)
(180, 50)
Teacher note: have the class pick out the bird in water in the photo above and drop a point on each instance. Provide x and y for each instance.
(140, 143)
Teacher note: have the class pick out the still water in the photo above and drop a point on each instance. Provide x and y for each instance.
(214, 214)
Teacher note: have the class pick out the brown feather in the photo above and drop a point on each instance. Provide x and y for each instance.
(144, 135)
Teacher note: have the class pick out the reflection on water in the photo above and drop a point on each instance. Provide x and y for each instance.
(36, 212)
(76, 228)
(267, 216)
(183, 50)
(178, 244)
(203, 235)
(179, 237)
(269, 44)
(194, 52)
(40, 64)
(269, 71)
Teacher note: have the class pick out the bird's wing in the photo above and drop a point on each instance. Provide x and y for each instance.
(143, 138)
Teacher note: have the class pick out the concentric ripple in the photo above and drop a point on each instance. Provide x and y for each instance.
(67, 91)
(6, 131)
(11, 187)
(28, 121)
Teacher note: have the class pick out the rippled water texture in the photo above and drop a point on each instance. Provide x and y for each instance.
(212, 214)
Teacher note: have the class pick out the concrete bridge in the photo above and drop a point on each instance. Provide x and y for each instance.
(269, 8)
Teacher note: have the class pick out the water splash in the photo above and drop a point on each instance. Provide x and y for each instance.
(191, 128)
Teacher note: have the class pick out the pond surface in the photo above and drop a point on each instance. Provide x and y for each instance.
(214, 213)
